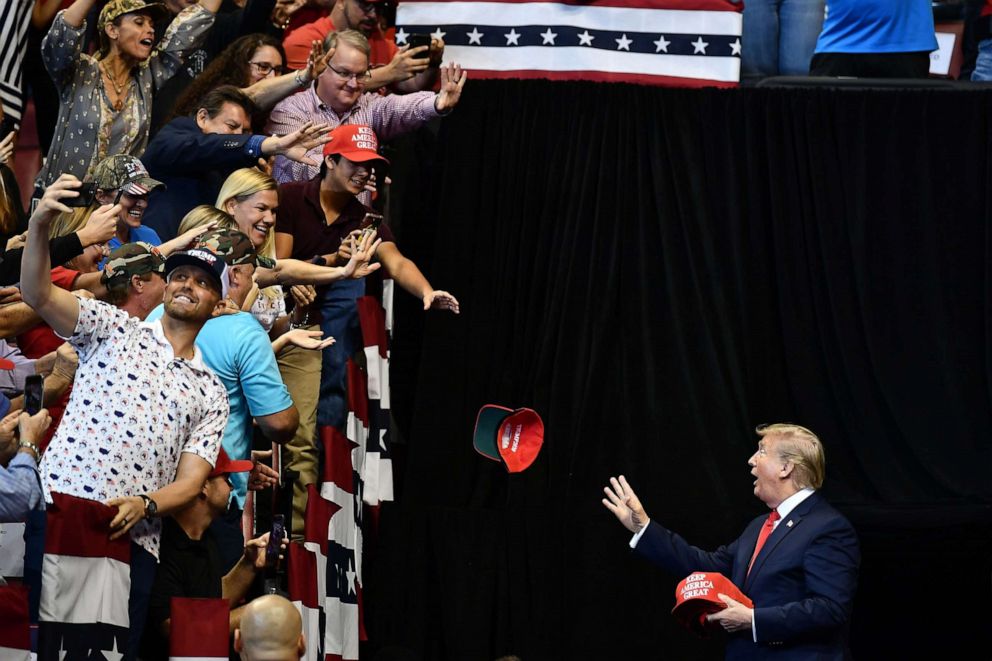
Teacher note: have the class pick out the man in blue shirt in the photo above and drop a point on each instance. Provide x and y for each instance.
(875, 39)
(238, 350)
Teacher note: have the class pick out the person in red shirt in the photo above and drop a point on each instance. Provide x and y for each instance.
(401, 70)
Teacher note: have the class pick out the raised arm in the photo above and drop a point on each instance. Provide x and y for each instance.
(296, 272)
(409, 277)
(56, 306)
(75, 14)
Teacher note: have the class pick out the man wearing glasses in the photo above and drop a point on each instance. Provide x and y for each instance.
(403, 71)
(339, 96)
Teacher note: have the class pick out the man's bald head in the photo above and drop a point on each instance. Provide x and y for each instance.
(271, 630)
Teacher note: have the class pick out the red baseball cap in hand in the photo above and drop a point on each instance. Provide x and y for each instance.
(697, 596)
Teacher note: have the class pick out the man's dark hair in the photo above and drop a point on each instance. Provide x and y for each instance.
(214, 100)
(323, 163)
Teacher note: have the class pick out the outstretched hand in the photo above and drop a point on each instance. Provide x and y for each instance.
(453, 79)
(360, 255)
(51, 203)
(295, 145)
(441, 300)
(262, 475)
(625, 505)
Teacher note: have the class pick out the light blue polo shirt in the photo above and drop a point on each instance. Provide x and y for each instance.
(877, 26)
(237, 348)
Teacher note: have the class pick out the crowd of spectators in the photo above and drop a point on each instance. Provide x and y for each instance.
(186, 277)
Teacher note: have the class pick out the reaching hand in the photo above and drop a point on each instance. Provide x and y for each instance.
(16, 241)
(308, 339)
(261, 475)
(452, 82)
(187, 238)
(441, 300)
(255, 550)
(303, 295)
(359, 263)
(623, 502)
(318, 60)
(51, 203)
(295, 145)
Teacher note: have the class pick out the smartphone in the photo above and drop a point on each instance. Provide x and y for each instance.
(276, 536)
(87, 191)
(370, 224)
(416, 40)
(34, 393)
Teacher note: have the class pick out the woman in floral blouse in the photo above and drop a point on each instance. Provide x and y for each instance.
(106, 98)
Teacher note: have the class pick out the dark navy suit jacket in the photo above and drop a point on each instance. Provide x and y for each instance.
(802, 583)
(193, 165)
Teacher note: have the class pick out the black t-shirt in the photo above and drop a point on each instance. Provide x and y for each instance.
(187, 568)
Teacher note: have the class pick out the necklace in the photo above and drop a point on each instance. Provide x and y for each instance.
(118, 87)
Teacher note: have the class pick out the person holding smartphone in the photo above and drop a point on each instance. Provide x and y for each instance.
(190, 558)
(20, 484)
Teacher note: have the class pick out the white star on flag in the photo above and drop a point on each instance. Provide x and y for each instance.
(512, 38)
(735, 48)
(548, 37)
(699, 46)
(437, 34)
(474, 37)
(661, 44)
(623, 43)
(401, 36)
(585, 39)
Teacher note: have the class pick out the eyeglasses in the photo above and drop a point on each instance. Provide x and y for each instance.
(366, 7)
(360, 78)
(265, 68)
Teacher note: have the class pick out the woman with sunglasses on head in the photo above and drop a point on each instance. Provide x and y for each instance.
(106, 98)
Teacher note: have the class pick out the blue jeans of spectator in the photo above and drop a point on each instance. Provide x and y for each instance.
(339, 319)
(780, 36)
(983, 65)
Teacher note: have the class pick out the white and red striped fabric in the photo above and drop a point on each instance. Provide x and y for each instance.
(15, 631)
(86, 582)
(684, 43)
(199, 629)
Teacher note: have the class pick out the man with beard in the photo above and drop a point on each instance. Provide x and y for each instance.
(142, 429)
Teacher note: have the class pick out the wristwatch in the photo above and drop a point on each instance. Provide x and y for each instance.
(151, 508)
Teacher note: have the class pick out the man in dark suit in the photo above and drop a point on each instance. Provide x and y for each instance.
(194, 155)
(803, 577)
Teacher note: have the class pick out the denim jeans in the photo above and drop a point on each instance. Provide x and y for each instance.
(983, 65)
(780, 36)
(339, 316)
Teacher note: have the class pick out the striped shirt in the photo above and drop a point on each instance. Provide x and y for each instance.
(389, 116)
(15, 16)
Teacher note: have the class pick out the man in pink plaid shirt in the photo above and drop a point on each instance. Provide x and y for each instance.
(338, 97)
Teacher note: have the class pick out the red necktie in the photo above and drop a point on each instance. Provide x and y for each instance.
(763, 535)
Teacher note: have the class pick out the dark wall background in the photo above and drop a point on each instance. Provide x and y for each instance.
(656, 271)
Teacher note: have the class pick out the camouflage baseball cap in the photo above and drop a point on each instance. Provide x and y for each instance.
(234, 248)
(116, 8)
(124, 172)
(131, 259)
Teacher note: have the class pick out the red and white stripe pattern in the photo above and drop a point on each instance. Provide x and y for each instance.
(199, 629)
(15, 632)
(86, 581)
(686, 43)
(305, 596)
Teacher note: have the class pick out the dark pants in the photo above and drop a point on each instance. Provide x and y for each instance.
(339, 316)
(143, 568)
(871, 65)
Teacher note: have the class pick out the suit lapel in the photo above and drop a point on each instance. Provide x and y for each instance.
(782, 530)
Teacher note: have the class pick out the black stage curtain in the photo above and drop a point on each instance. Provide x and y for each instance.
(656, 271)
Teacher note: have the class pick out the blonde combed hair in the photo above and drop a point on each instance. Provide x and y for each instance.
(205, 214)
(800, 446)
(238, 187)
